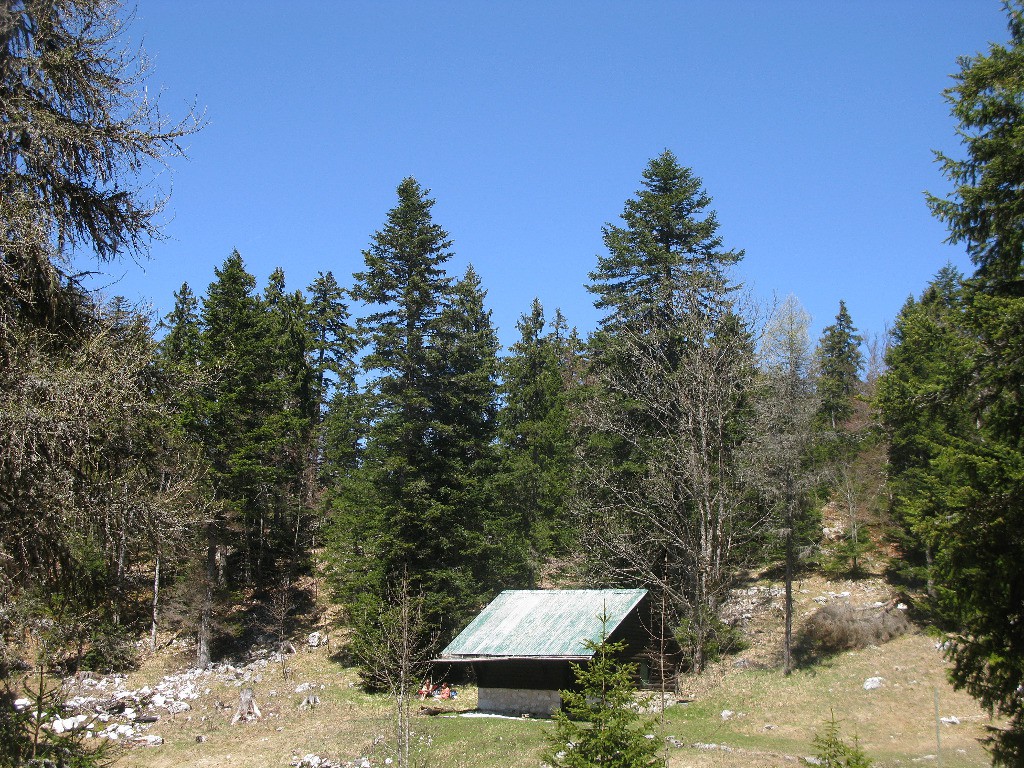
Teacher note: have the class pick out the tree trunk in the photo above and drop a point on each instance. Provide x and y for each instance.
(156, 603)
(206, 612)
(787, 665)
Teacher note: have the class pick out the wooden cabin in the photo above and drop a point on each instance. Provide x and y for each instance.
(522, 645)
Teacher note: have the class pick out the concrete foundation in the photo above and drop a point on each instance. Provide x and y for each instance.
(518, 701)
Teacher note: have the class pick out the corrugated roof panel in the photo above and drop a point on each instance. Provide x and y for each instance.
(543, 622)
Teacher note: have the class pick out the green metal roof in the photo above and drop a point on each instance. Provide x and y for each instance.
(543, 622)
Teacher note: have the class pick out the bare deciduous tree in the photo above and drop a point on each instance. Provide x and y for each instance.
(674, 515)
(394, 648)
(777, 457)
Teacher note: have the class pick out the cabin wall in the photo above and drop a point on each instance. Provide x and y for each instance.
(518, 701)
(525, 674)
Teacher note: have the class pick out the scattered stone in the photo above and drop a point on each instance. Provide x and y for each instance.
(950, 720)
(201, 738)
(727, 714)
(873, 682)
(316, 639)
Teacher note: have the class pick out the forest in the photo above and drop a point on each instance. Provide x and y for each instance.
(218, 473)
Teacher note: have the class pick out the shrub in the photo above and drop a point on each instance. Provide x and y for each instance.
(720, 639)
(111, 649)
(841, 627)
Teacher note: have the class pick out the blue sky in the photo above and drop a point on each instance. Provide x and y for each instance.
(811, 123)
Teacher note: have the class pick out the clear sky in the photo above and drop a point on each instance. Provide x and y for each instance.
(811, 123)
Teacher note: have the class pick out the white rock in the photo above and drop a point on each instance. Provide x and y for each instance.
(22, 704)
(950, 720)
(872, 683)
(302, 688)
(727, 714)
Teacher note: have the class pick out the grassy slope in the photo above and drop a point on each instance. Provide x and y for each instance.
(775, 721)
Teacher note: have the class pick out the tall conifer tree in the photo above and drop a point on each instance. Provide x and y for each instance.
(981, 564)
(534, 434)
(839, 364)
(417, 510)
(671, 366)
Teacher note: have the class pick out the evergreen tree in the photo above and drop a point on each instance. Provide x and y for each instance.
(235, 350)
(418, 507)
(92, 478)
(600, 725)
(286, 434)
(839, 364)
(182, 343)
(832, 751)
(334, 344)
(980, 567)
(924, 406)
(669, 244)
(671, 366)
(339, 405)
(466, 395)
(846, 447)
(534, 435)
(179, 355)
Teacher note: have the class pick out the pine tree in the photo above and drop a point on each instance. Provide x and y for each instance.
(924, 406)
(419, 505)
(600, 725)
(671, 366)
(980, 567)
(839, 364)
(832, 751)
(534, 434)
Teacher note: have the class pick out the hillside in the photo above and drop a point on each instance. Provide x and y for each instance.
(742, 712)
